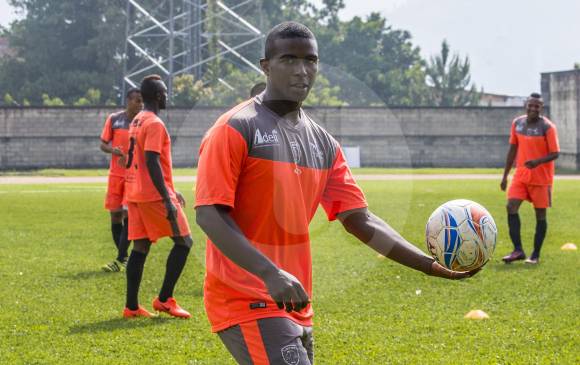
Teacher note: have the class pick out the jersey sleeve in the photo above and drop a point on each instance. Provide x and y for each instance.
(107, 133)
(513, 134)
(552, 138)
(341, 192)
(155, 137)
(221, 157)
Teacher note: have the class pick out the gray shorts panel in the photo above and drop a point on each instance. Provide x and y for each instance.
(285, 342)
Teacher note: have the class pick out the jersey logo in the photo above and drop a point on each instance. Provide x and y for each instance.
(291, 355)
(296, 152)
(316, 152)
(266, 139)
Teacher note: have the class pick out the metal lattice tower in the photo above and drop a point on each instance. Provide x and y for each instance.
(174, 37)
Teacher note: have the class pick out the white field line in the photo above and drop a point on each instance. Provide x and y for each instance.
(44, 180)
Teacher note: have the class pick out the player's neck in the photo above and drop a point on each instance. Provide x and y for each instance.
(130, 114)
(154, 108)
(286, 109)
(534, 120)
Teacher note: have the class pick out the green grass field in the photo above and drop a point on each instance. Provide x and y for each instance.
(192, 171)
(57, 307)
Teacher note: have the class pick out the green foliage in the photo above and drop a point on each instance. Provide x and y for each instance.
(48, 101)
(577, 66)
(62, 309)
(323, 94)
(449, 79)
(92, 97)
(232, 89)
(69, 46)
(9, 100)
(64, 48)
(187, 91)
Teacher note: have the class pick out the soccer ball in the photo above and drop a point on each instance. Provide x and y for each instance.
(461, 235)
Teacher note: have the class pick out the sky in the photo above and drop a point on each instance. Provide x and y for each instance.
(509, 42)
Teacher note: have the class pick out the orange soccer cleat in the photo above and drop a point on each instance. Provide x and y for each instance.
(139, 312)
(170, 307)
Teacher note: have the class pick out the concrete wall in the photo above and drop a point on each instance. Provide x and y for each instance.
(561, 92)
(403, 137)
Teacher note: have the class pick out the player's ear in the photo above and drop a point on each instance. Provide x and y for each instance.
(265, 65)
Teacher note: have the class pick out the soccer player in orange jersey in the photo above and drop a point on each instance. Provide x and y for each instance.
(264, 168)
(115, 141)
(534, 146)
(155, 208)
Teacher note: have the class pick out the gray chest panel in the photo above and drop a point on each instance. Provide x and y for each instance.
(120, 121)
(271, 138)
(538, 129)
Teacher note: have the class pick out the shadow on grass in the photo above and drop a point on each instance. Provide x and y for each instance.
(118, 323)
(515, 267)
(84, 275)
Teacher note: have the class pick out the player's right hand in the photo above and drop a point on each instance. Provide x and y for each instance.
(171, 210)
(287, 291)
(440, 271)
(503, 184)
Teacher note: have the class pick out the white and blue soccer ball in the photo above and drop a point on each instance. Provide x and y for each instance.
(461, 235)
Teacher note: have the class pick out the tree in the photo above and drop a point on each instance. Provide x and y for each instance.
(92, 97)
(187, 91)
(48, 101)
(384, 59)
(449, 79)
(64, 48)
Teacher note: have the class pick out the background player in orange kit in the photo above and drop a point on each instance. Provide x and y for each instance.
(155, 208)
(534, 140)
(115, 140)
(264, 168)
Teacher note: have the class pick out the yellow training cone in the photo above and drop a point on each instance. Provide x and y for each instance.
(569, 247)
(476, 314)
(380, 256)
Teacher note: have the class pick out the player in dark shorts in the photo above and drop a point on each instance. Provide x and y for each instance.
(115, 140)
(264, 168)
(155, 208)
(534, 146)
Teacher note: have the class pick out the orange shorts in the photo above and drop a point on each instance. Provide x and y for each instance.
(149, 220)
(115, 198)
(539, 195)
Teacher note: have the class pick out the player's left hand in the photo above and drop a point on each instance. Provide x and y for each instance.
(530, 164)
(123, 160)
(180, 198)
(440, 271)
(117, 151)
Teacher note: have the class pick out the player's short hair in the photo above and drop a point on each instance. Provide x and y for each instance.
(286, 30)
(257, 89)
(150, 87)
(536, 96)
(132, 91)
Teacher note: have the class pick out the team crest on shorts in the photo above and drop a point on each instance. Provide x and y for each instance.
(291, 355)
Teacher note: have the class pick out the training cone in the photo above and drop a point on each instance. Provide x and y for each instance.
(476, 314)
(379, 256)
(569, 247)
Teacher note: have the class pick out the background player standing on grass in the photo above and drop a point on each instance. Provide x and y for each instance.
(264, 168)
(155, 208)
(534, 141)
(115, 140)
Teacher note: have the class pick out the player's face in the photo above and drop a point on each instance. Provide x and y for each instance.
(162, 94)
(134, 103)
(534, 108)
(292, 68)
